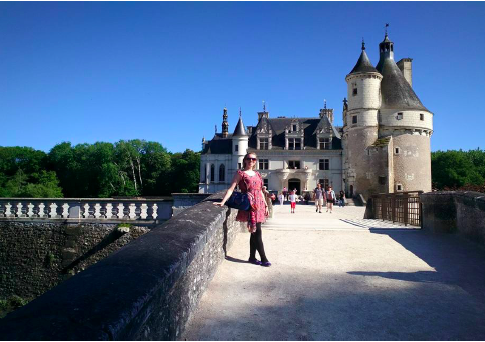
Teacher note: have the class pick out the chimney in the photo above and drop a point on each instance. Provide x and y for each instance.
(406, 67)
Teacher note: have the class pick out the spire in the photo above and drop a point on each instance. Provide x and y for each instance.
(264, 106)
(386, 48)
(363, 63)
(239, 130)
(324, 104)
(225, 124)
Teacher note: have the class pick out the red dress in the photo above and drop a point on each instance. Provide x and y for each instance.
(253, 185)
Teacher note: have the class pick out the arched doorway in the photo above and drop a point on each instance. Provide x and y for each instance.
(294, 183)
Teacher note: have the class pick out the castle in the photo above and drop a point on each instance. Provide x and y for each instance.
(382, 147)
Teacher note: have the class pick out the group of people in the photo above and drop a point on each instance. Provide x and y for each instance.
(250, 181)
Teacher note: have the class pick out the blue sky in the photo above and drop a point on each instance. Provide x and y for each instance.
(163, 71)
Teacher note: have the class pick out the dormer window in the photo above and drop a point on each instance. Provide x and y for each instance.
(294, 144)
(294, 127)
(324, 143)
(263, 143)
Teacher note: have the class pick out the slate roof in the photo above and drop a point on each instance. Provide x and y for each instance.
(239, 130)
(310, 126)
(363, 64)
(396, 92)
(219, 145)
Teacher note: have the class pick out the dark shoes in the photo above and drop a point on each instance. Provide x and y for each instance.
(266, 264)
(254, 261)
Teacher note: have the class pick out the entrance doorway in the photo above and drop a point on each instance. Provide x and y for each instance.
(294, 183)
(351, 192)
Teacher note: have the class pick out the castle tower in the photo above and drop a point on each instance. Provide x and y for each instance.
(225, 124)
(239, 143)
(361, 126)
(405, 123)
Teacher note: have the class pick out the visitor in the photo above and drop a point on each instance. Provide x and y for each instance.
(307, 198)
(281, 198)
(318, 198)
(268, 197)
(341, 202)
(285, 193)
(293, 201)
(330, 197)
(251, 182)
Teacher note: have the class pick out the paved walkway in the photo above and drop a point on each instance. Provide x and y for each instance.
(338, 277)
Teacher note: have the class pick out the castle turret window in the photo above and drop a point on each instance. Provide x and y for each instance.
(421, 117)
(236, 148)
(354, 91)
(399, 116)
(212, 172)
(354, 119)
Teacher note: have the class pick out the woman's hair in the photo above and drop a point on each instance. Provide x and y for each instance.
(246, 157)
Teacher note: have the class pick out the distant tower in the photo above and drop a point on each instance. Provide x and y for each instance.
(406, 123)
(361, 126)
(225, 124)
(239, 143)
(328, 112)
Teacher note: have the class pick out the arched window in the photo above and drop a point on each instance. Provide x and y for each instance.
(212, 172)
(222, 173)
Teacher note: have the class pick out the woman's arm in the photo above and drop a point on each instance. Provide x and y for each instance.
(229, 191)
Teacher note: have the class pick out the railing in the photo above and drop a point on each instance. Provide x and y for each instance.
(404, 207)
(82, 209)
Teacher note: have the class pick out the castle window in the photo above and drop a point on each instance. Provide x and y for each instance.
(354, 119)
(294, 128)
(222, 173)
(399, 187)
(294, 164)
(236, 148)
(294, 144)
(382, 180)
(239, 166)
(212, 172)
(397, 150)
(421, 117)
(324, 143)
(263, 164)
(354, 91)
(324, 164)
(399, 116)
(265, 183)
(263, 143)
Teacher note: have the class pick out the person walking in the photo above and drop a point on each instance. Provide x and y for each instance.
(318, 198)
(285, 193)
(281, 198)
(251, 182)
(341, 202)
(330, 196)
(269, 202)
(293, 201)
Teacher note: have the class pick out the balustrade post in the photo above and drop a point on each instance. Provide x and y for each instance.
(406, 209)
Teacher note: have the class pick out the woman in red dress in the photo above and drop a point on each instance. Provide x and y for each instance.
(251, 182)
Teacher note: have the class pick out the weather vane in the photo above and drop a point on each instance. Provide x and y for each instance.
(387, 25)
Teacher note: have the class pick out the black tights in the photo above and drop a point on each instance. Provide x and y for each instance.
(256, 244)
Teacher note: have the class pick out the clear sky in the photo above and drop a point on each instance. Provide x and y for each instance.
(163, 71)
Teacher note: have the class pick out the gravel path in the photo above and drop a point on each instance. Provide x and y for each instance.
(338, 277)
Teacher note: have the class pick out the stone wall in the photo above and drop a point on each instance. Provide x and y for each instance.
(36, 256)
(147, 290)
(461, 212)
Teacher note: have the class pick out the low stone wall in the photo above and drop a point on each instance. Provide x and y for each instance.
(182, 201)
(145, 291)
(36, 256)
(461, 212)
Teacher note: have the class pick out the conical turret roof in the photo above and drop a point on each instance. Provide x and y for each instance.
(239, 130)
(363, 64)
(396, 92)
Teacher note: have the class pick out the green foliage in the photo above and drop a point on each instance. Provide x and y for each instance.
(127, 225)
(10, 304)
(23, 174)
(455, 169)
(127, 168)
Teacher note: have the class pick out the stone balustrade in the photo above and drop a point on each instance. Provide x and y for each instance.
(78, 209)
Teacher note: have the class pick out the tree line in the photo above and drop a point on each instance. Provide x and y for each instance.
(125, 168)
(145, 168)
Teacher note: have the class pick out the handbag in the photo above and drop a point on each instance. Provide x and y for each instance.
(239, 200)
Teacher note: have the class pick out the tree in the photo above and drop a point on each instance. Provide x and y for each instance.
(454, 169)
